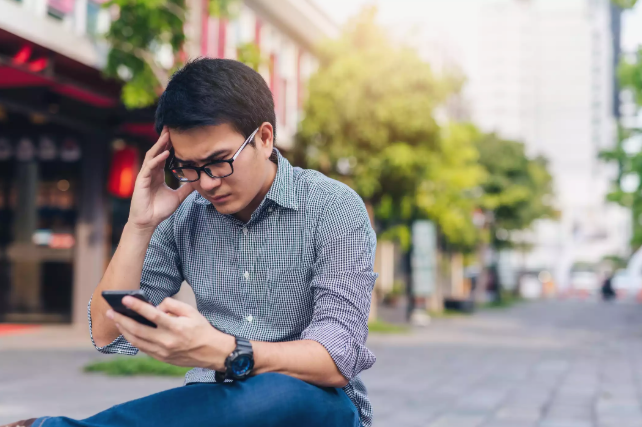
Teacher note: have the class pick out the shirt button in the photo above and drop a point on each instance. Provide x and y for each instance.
(245, 230)
(270, 210)
(246, 275)
(250, 318)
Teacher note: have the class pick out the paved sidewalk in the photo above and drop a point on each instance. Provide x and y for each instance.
(549, 364)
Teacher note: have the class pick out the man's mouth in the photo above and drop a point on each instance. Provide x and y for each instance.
(220, 198)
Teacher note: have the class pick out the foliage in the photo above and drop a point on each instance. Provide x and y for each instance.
(630, 74)
(628, 158)
(630, 165)
(615, 262)
(517, 190)
(249, 54)
(381, 327)
(369, 122)
(141, 365)
(625, 4)
(507, 300)
(145, 41)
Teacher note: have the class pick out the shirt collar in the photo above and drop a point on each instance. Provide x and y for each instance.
(282, 190)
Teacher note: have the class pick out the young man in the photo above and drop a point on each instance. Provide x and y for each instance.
(280, 260)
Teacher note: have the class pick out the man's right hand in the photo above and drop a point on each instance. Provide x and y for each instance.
(153, 201)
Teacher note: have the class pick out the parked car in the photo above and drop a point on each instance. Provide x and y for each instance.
(626, 284)
(585, 282)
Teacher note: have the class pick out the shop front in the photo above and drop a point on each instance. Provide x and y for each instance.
(39, 193)
(61, 128)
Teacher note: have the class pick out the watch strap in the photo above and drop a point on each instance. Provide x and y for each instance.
(244, 345)
(220, 377)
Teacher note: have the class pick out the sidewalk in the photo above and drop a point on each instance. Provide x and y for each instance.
(542, 364)
(47, 337)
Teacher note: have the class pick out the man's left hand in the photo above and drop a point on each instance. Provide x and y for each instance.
(183, 337)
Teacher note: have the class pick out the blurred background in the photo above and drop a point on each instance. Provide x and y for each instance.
(496, 143)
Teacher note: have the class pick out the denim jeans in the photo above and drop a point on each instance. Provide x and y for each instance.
(264, 400)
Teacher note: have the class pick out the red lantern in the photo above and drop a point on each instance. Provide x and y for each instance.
(122, 175)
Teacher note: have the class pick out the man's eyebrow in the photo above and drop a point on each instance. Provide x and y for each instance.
(209, 157)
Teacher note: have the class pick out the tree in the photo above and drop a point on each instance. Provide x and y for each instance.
(516, 191)
(369, 121)
(625, 4)
(627, 188)
(146, 39)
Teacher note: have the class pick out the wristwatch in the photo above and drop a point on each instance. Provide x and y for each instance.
(239, 363)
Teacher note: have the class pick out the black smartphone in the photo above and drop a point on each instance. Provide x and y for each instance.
(115, 300)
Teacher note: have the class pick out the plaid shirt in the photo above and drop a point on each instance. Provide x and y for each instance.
(301, 268)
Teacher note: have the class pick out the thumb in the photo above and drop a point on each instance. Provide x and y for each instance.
(184, 190)
(176, 307)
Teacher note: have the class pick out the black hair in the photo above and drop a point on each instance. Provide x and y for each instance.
(209, 91)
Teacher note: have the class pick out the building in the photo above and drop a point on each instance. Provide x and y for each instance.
(63, 132)
(542, 72)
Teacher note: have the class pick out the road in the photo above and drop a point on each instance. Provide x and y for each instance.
(544, 364)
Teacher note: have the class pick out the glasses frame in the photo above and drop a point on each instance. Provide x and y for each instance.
(204, 168)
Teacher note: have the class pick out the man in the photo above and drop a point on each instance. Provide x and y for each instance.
(280, 260)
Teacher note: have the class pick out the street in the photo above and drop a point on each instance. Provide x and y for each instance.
(545, 364)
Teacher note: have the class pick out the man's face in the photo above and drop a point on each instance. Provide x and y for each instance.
(238, 192)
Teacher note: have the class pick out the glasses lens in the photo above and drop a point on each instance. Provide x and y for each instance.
(185, 174)
(219, 170)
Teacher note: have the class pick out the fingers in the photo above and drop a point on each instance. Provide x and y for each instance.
(178, 308)
(158, 160)
(160, 145)
(154, 164)
(149, 312)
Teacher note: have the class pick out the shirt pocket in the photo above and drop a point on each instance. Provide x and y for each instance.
(290, 301)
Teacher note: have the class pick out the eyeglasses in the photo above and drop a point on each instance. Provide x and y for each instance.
(215, 169)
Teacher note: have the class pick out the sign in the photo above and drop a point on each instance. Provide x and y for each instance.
(424, 258)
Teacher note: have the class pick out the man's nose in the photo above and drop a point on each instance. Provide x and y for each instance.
(208, 183)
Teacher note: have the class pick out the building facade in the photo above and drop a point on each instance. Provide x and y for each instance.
(542, 72)
(64, 134)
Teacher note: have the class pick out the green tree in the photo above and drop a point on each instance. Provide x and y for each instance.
(369, 121)
(625, 4)
(629, 164)
(517, 190)
(629, 161)
(145, 41)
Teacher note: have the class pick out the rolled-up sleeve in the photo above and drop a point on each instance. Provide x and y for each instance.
(342, 284)
(161, 278)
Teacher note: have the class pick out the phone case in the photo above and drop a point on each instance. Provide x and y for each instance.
(114, 299)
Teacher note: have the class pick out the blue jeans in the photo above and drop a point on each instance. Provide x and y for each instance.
(264, 400)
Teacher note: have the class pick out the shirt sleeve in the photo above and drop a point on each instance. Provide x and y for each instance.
(342, 284)
(161, 278)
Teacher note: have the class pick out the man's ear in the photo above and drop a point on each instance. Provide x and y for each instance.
(266, 138)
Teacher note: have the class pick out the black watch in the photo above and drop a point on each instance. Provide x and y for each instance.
(240, 363)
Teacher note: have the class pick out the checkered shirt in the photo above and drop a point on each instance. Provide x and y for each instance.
(301, 268)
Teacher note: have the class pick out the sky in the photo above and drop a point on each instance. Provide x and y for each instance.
(410, 12)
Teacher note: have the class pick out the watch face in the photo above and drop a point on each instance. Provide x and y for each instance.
(241, 365)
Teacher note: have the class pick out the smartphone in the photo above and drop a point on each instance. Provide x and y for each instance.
(115, 300)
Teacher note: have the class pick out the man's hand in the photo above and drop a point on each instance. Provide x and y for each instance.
(153, 201)
(183, 336)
